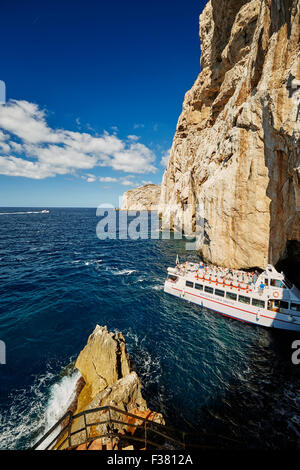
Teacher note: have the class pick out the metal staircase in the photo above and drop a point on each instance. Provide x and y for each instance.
(114, 428)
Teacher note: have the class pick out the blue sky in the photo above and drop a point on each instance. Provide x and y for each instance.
(94, 92)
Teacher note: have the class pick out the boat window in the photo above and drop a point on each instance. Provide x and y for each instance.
(276, 283)
(172, 278)
(274, 305)
(284, 305)
(189, 284)
(266, 282)
(295, 307)
(231, 296)
(258, 303)
(220, 292)
(244, 300)
(288, 284)
(209, 290)
(199, 286)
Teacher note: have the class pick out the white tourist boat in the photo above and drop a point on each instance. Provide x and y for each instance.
(265, 299)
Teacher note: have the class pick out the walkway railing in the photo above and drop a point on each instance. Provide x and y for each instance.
(146, 434)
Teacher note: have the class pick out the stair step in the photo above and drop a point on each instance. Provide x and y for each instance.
(96, 445)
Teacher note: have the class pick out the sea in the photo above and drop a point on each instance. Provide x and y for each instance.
(227, 383)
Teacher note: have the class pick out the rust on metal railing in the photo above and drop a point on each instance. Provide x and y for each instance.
(147, 426)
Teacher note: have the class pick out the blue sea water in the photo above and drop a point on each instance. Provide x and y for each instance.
(229, 383)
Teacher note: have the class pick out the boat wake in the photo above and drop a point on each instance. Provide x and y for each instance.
(27, 212)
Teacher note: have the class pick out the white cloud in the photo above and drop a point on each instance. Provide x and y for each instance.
(4, 148)
(133, 137)
(127, 182)
(146, 182)
(136, 159)
(3, 136)
(12, 166)
(90, 178)
(107, 179)
(62, 156)
(27, 122)
(165, 158)
(16, 148)
(30, 148)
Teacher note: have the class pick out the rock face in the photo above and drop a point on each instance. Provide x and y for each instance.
(145, 198)
(235, 159)
(105, 366)
(102, 362)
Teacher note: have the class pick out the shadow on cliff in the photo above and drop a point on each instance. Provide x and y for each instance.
(284, 244)
(281, 157)
(284, 234)
(290, 262)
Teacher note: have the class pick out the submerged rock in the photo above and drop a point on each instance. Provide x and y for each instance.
(235, 158)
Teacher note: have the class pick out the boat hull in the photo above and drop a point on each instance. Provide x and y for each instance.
(240, 312)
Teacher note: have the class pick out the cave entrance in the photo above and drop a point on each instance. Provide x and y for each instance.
(290, 262)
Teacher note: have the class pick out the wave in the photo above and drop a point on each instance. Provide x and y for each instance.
(93, 261)
(87, 263)
(61, 397)
(158, 287)
(45, 401)
(120, 272)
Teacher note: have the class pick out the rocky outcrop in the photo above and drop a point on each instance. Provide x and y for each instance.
(102, 362)
(109, 379)
(145, 198)
(235, 159)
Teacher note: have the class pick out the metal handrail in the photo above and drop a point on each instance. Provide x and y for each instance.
(154, 427)
(69, 415)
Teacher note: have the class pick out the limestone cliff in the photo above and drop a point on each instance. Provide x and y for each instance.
(235, 158)
(145, 198)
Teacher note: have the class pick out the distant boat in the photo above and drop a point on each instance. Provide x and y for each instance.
(266, 299)
(45, 211)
